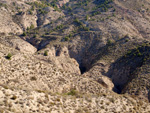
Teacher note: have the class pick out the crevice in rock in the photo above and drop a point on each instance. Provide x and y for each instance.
(129, 67)
(117, 89)
(82, 69)
(57, 52)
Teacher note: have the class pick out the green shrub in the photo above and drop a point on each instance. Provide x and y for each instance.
(24, 34)
(34, 36)
(109, 42)
(127, 40)
(45, 53)
(129, 52)
(70, 35)
(32, 26)
(66, 38)
(77, 21)
(14, 97)
(72, 92)
(9, 56)
(19, 12)
(86, 28)
(3, 5)
(87, 17)
(59, 27)
(30, 12)
(42, 11)
(139, 54)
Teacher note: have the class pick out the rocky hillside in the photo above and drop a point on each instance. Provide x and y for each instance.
(74, 56)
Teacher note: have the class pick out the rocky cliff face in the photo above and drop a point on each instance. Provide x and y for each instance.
(74, 56)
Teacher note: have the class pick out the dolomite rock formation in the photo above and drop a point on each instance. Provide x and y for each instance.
(17, 43)
(62, 2)
(7, 24)
(74, 58)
